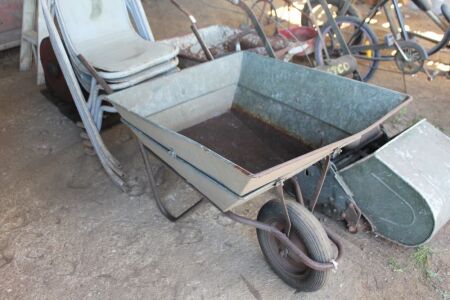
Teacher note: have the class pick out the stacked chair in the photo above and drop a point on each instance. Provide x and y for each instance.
(104, 46)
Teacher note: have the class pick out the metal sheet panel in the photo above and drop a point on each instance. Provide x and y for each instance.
(403, 188)
(220, 195)
(198, 87)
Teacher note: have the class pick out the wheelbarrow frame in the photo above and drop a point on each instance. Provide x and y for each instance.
(193, 177)
(157, 124)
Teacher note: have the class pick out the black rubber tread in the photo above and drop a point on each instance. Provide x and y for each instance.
(314, 237)
(352, 11)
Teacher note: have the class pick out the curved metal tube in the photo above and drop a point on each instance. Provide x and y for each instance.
(318, 266)
(443, 43)
(151, 179)
(257, 25)
(337, 242)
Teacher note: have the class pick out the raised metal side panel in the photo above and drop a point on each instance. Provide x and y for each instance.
(312, 131)
(147, 106)
(160, 94)
(342, 106)
(404, 187)
(222, 197)
(217, 167)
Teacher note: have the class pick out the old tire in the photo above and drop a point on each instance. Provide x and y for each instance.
(307, 233)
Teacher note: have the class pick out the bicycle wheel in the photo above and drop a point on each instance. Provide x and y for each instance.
(367, 60)
(335, 6)
(266, 14)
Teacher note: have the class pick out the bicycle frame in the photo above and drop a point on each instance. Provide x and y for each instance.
(398, 30)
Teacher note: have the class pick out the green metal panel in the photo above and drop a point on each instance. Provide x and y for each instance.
(393, 207)
(403, 188)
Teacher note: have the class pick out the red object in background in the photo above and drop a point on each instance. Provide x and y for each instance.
(301, 33)
(10, 15)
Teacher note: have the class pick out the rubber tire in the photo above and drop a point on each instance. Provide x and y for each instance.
(352, 11)
(313, 235)
(318, 45)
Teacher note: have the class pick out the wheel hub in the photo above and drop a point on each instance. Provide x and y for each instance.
(286, 258)
(415, 58)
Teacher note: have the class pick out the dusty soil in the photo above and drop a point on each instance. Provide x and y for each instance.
(66, 232)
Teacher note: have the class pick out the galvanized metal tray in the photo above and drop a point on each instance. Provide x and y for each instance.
(323, 111)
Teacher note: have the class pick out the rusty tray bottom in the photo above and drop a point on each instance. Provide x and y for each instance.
(246, 141)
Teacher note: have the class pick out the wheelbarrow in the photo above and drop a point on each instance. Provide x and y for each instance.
(245, 124)
(223, 40)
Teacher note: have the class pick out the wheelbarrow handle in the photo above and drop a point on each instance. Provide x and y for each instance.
(184, 11)
(194, 29)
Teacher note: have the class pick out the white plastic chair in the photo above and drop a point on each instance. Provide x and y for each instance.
(102, 31)
(109, 42)
(85, 24)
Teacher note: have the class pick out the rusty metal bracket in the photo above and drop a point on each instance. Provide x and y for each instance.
(298, 191)
(352, 215)
(323, 176)
(280, 192)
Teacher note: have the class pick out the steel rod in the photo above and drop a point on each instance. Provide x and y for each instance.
(337, 242)
(323, 176)
(195, 30)
(151, 179)
(153, 187)
(298, 191)
(280, 193)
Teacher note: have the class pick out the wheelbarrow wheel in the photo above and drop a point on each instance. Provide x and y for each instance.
(307, 233)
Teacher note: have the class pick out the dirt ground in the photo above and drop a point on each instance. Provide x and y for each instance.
(66, 232)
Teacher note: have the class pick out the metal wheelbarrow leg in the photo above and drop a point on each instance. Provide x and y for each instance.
(153, 186)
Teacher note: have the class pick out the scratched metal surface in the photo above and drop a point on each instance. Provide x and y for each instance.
(404, 187)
